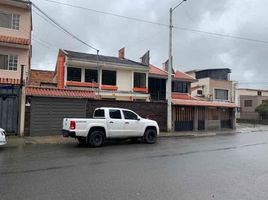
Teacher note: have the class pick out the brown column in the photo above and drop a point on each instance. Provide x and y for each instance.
(233, 118)
(195, 118)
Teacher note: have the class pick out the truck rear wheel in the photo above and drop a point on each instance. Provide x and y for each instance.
(96, 138)
(150, 136)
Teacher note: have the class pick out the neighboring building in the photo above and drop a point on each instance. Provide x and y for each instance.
(213, 84)
(15, 50)
(114, 78)
(248, 99)
(181, 84)
(188, 112)
(42, 78)
(15, 38)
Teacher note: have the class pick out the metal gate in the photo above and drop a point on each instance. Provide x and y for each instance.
(9, 108)
(226, 116)
(47, 114)
(183, 117)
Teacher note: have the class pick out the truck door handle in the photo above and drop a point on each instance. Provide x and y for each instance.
(126, 122)
(111, 122)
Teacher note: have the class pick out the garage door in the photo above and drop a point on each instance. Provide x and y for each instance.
(47, 114)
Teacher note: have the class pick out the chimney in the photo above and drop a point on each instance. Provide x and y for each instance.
(145, 59)
(165, 66)
(121, 53)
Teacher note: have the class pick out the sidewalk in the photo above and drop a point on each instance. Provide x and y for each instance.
(59, 139)
(241, 128)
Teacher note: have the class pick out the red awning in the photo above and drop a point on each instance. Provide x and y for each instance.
(56, 92)
(202, 103)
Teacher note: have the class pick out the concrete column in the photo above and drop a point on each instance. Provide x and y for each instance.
(219, 117)
(22, 112)
(206, 118)
(233, 118)
(195, 118)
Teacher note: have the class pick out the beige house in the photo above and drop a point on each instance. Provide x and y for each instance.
(248, 99)
(15, 38)
(213, 85)
(15, 50)
(112, 78)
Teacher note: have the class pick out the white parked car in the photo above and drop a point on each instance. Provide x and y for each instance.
(109, 123)
(3, 140)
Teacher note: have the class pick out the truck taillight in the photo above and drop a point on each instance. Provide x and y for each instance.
(72, 124)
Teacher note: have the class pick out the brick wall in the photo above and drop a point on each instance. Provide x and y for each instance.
(153, 110)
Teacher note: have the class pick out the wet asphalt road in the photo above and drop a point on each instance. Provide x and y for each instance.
(222, 167)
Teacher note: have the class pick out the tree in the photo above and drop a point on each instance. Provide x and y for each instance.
(262, 109)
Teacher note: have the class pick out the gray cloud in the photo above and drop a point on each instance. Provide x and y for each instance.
(246, 18)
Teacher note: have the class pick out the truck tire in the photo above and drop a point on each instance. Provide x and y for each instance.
(150, 136)
(96, 138)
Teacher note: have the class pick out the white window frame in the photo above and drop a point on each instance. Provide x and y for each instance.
(214, 96)
(12, 64)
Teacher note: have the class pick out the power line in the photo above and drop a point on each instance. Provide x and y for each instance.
(64, 29)
(161, 24)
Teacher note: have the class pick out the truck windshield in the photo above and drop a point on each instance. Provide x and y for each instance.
(99, 113)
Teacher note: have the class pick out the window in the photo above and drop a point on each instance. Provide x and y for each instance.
(115, 114)
(200, 92)
(108, 77)
(91, 75)
(181, 87)
(74, 74)
(259, 93)
(139, 80)
(130, 115)
(221, 94)
(99, 113)
(12, 62)
(8, 62)
(248, 103)
(11, 21)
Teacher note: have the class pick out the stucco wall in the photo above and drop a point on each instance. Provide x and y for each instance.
(25, 22)
(124, 80)
(219, 84)
(23, 59)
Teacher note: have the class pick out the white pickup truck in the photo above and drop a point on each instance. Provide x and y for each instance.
(109, 123)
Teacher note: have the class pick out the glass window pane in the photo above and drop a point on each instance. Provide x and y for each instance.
(115, 114)
(3, 61)
(91, 75)
(99, 113)
(108, 77)
(5, 20)
(139, 80)
(130, 115)
(74, 74)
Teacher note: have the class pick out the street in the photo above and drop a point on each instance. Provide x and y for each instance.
(221, 167)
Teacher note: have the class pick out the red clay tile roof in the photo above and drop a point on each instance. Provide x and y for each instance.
(178, 75)
(41, 76)
(202, 103)
(56, 92)
(176, 95)
(156, 71)
(14, 40)
(9, 81)
(182, 75)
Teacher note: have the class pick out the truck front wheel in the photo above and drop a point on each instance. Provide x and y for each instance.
(150, 136)
(96, 138)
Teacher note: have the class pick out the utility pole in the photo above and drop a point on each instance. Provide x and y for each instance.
(170, 66)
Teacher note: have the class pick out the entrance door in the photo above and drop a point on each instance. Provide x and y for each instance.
(9, 108)
(133, 124)
(116, 123)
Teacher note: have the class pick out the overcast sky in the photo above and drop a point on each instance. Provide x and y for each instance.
(191, 50)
